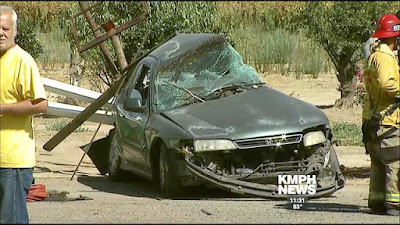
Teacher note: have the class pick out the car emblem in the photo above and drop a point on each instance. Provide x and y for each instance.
(268, 141)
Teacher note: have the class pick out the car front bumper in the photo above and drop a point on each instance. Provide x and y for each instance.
(330, 178)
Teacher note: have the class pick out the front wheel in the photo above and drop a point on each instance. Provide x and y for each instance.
(168, 180)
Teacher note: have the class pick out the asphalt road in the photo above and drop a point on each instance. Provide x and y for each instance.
(91, 198)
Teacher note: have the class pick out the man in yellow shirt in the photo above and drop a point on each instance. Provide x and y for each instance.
(21, 96)
(381, 118)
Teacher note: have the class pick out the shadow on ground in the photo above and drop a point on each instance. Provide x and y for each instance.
(355, 172)
(139, 187)
(136, 187)
(325, 106)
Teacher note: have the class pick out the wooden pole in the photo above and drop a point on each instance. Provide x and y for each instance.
(83, 116)
(97, 34)
(110, 27)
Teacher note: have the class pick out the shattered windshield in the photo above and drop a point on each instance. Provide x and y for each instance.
(201, 73)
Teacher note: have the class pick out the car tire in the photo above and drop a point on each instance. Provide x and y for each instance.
(168, 181)
(114, 160)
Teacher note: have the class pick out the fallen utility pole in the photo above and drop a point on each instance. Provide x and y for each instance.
(111, 32)
(106, 36)
(86, 149)
(82, 117)
(92, 108)
(72, 91)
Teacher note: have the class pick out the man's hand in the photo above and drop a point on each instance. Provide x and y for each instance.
(24, 108)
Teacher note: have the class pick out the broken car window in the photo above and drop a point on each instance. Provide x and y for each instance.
(141, 88)
(201, 73)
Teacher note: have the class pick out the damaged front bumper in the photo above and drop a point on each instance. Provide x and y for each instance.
(263, 180)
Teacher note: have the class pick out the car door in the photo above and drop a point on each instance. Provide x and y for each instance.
(131, 122)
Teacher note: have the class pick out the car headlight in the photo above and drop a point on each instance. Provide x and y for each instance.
(213, 145)
(313, 138)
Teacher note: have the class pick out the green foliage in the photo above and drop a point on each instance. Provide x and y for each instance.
(27, 39)
(34, 15)
(270, 35)
(263, 33)
(261, 48)
(347, 134)
(308, 57)
(342, 28)
(57, 126)
(42, 14)
(165, 18)
(56, 50)
(168, 17)
(269, 15)
(279, 51)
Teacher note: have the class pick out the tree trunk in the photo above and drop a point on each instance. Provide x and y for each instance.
(347, 76)
(76, 69)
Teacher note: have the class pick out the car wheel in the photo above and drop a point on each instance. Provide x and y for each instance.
(114, 161)
(168, 181)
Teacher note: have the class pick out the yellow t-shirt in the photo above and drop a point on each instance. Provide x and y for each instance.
(19, 80)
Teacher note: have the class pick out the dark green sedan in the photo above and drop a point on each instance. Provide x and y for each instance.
(191, 112)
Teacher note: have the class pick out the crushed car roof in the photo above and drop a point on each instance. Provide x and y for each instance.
(181, 44)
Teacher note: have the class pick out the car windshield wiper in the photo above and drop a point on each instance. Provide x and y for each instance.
(235, 86)
(185, 89)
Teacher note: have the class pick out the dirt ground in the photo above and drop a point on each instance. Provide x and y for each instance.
(138, 201)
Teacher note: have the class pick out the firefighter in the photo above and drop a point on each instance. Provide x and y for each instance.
(398, 42)
(381, 118)
(372, 42)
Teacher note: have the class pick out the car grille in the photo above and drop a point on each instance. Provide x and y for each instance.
(269, 141)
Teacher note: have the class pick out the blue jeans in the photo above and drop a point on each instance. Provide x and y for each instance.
(14, 188)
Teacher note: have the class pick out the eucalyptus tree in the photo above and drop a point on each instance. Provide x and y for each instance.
(341, 28)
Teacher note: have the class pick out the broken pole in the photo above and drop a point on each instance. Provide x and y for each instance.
(82, 117)
(62, 134)
(93, 26)
(92, 108)
(110, 27)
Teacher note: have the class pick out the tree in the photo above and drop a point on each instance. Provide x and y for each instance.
(342, 28)
(33, 15)
(27, 40)
(164, 19)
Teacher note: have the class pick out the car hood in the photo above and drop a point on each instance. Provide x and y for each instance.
(253, 113)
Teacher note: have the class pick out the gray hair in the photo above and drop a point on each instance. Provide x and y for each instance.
(14, 16)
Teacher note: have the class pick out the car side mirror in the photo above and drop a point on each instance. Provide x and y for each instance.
(133, 104)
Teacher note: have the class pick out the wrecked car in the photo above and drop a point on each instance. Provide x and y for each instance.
(191, 112)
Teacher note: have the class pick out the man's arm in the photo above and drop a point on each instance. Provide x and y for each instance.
(24, 108)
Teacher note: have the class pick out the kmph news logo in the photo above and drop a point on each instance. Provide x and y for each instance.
(297, 184)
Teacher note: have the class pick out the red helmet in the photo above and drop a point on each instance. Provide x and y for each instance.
(388, 26)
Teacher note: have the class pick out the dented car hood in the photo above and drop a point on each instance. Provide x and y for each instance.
(254, 113)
